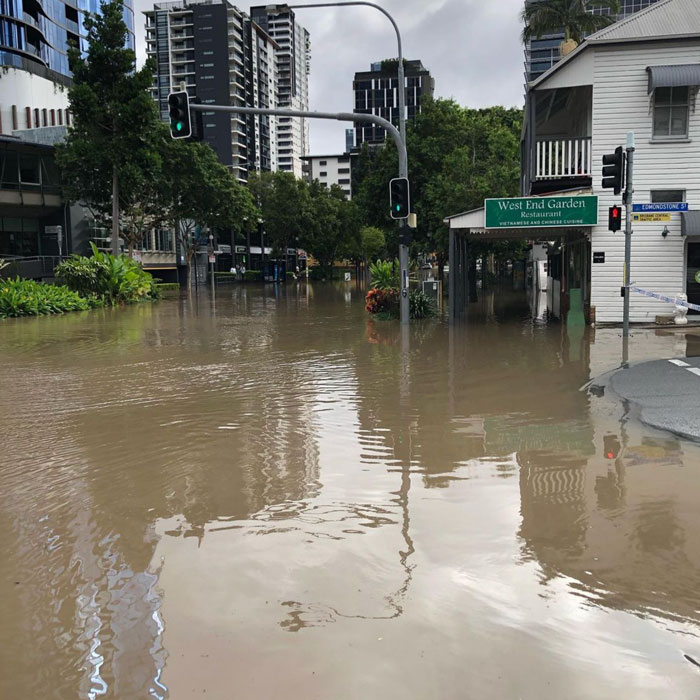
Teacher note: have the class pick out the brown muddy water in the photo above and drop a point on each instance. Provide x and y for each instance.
(268, 496)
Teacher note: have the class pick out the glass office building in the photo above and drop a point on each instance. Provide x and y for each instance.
(35, 34)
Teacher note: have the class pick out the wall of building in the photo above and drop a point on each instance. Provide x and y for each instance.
(331, 170)
(19, 91)
(621, 104)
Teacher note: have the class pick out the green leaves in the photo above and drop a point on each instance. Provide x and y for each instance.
(384, 274)
(113, 280)
(20, 297)
(573, 16)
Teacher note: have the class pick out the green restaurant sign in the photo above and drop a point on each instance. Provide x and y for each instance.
(533, 212)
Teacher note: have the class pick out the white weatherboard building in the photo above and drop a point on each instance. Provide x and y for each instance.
(641, 74)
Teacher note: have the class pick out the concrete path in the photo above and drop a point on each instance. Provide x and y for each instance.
(667, 393)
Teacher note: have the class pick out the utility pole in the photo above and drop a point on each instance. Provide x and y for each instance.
(629, 192)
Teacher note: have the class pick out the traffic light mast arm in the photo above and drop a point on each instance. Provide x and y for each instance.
(339, 116)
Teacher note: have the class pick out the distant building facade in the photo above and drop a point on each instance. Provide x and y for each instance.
(541, 54)
(293, 56)
(330, 170)
(222, 57)
(376, 93)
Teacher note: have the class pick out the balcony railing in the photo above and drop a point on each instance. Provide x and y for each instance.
(563, 158)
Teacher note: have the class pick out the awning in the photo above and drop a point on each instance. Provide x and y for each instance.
(690, 223)
(687, 75)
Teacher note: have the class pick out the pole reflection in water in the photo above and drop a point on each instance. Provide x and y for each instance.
(280, 495)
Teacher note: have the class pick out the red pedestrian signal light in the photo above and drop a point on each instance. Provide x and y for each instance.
(615, 218)
(611, 447)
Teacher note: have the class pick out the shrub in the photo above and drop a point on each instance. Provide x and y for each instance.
(168, 286)
(420, 305)
(116, 280)
(383, 301)
(20, 297)
(252, 275)
(384, 274)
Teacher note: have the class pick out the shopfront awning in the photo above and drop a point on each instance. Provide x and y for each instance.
(687, 75)
(690, 223)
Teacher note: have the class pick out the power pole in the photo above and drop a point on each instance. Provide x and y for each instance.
(629, 192)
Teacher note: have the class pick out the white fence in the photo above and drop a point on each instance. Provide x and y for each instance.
(560, 158)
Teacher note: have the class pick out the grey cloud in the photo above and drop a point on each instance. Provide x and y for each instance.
(472, 48)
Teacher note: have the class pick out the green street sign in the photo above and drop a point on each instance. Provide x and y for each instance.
(535, 212)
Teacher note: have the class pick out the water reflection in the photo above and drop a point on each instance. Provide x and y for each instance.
(262, 484)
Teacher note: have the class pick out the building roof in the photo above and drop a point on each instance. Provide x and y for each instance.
(668, 19)
(334, 155)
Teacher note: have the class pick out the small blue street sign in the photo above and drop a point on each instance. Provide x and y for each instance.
(660, 206)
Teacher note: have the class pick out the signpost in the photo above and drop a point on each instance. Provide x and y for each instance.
(660, 207)
(537, 212)
(659, 217)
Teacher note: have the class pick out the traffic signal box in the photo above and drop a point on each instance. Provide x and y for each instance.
(615, 218)
(614, 170)
(180, 124)
(399, 197)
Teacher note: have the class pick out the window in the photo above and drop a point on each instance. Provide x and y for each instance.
(323, 162)
(667, 196)
(671, 112)
(343, 171)
(343, 182)
(323, 174)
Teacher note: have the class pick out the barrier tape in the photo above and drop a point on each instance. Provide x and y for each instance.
(670, 300)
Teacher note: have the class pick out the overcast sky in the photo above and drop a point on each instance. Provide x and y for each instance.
(471, 47)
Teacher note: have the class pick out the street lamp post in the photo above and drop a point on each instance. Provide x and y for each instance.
(401, 89)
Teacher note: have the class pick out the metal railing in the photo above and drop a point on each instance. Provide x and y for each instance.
(30, 267)
(562, 158)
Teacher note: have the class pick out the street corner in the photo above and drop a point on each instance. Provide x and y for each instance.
(666, 392)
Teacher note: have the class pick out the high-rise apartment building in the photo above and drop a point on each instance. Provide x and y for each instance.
(541, 54)
(376, 93)
(222, 57)
(293, 64)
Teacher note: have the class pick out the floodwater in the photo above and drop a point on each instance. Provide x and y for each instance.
(271, 496)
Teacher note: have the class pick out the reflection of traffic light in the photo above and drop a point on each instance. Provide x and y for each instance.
(179, 110)
(611, 447)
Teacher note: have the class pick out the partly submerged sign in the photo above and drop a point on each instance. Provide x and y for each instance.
(533, 212)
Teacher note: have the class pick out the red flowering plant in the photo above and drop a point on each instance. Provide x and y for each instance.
(382, 300)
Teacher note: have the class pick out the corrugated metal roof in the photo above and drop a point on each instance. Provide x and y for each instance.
(690, 223)
(668, 18)
(673, 76)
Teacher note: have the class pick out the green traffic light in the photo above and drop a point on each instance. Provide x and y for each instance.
(179, 126)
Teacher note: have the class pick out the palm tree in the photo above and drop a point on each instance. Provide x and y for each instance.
(573, 16)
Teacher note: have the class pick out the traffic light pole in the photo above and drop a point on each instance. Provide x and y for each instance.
(629, 192)
(343, 117)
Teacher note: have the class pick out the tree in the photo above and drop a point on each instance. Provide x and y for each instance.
(456, 157)
(284, 202)
(333, 221)
(202, 194)
(573, 16)
(109, 155)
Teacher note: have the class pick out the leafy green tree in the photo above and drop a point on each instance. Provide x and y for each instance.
(573, 16)
(285, 204)
(109, 153)
(372, 242)
(333, 221)
(456, 156)
(202, 194)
